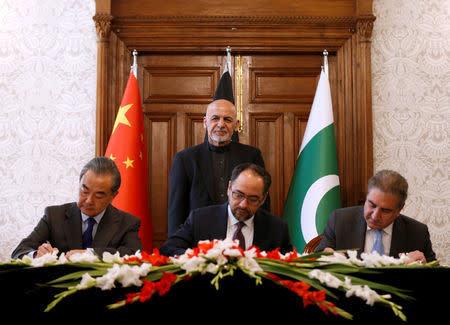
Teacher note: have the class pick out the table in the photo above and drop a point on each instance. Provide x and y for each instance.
(197, 297)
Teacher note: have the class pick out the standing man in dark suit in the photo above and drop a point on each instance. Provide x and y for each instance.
(378, 225)
(199, 175)
(240, 218)
(92, 222)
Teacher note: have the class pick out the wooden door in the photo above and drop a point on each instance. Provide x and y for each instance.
(176, 90)
(277, 95)
(182, 47)
(278, 91)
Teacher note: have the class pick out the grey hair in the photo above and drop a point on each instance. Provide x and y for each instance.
(389, 181)
(103, 166)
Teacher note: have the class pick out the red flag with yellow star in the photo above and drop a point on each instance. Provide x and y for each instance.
(128, 149)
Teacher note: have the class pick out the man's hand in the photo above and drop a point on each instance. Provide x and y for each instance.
(415, 256)
(45, 248)
(74, 251)
(328, 250)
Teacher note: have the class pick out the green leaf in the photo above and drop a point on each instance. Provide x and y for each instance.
(294, 273)
(77, 275)
(379, 286)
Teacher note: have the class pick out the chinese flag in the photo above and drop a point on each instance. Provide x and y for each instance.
(128, 149)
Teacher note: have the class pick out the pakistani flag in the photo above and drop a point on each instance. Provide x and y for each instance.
(314, 191)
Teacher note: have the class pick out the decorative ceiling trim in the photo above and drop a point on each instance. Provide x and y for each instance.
(248, 20)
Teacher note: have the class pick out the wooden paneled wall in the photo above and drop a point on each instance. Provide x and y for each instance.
(182, 54)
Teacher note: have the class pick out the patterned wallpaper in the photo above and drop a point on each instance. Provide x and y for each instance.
(48, 58)
(48, 87)
(411, 106)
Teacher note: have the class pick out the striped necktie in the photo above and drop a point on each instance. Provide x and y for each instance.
(239, 236)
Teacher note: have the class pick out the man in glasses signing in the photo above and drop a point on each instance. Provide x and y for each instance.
(240, 218)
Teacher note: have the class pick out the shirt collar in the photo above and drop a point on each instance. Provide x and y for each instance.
(233, 220)
(97, 218)
(218, 149)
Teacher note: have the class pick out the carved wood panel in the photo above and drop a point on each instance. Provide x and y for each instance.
(175, 90)
(278, 93)
(267, 133)
(160, 132)
(182, 54)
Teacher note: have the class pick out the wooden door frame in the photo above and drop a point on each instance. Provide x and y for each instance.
(343, 27)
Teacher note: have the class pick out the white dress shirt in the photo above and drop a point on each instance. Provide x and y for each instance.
(371, 237)
(247, 231)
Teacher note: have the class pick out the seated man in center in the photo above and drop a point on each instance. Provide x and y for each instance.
(240, 218)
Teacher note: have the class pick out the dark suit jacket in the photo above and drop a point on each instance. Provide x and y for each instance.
(209, 223)
(191, 183)
(61, 227)
(346, 229)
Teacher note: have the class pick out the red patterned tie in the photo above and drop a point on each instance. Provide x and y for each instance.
(239, 236)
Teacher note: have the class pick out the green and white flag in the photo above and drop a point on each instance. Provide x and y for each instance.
(314, 191)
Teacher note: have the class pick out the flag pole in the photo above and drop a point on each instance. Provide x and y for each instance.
(134, 66)
(228, 66)
(325, 62)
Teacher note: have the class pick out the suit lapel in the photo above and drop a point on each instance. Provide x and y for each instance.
(398, 237)
(106, 228)
(205, 164)
(260, 229)
(222, 223)
(72, 227)
(360, 231)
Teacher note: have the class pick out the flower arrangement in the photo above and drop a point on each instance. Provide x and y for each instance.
(309, 276)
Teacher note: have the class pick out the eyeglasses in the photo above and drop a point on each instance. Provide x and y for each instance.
(239, 196)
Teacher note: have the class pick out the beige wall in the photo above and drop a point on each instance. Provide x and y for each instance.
(411, 106)
(48, 57)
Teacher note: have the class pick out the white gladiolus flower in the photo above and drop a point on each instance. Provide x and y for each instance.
(45, 259)
(62, 259)
(353, 258)
(130, 275)
(221, 260)
(26, 260)
(251, 253)
(363, 292)
(249, 264)
(138, 254)
(335, 258)
(110, 258)
(367, 259)
(212, 268)
(106, 282)
(403, 258)
(232, 252)
(86, 281)
(194, 264)
(214, 253)
(125, 274)
(86, 257)
(325, 277)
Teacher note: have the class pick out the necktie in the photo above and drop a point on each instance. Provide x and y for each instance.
(239, 236)
(87, 235)
(378, 246)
